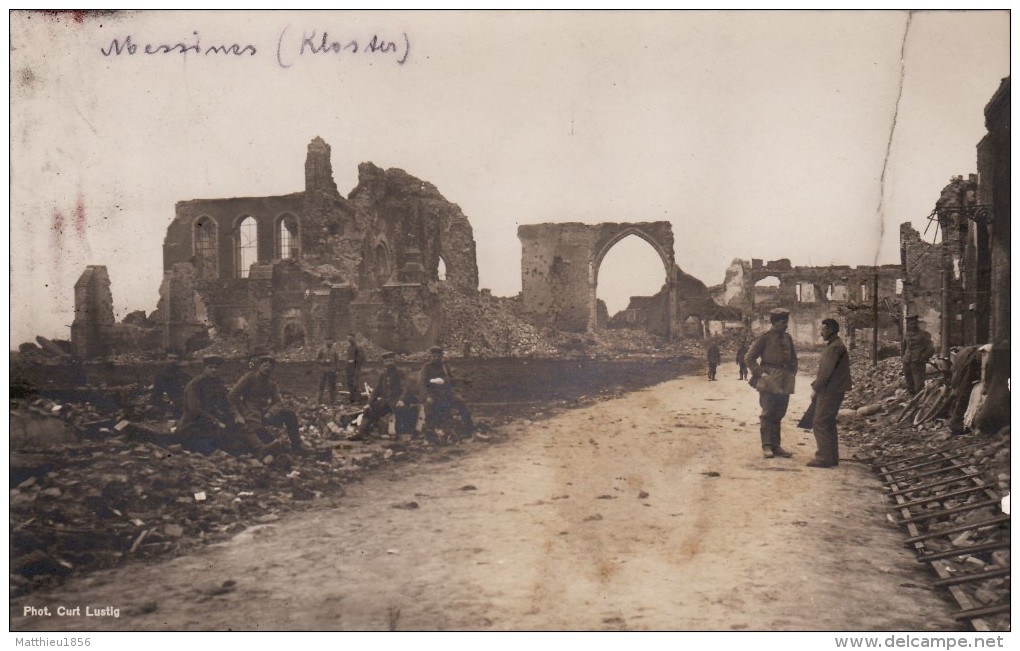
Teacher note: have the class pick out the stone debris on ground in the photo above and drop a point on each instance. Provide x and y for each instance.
(868, 424)
(98, 494)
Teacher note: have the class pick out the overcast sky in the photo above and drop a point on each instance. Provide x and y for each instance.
(755, 134)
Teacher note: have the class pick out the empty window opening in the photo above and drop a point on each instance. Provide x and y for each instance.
(836, 292)
(288, 238)
(382, 264)
(247, 245)
(205, 247)
(632, 268)
(805, 292)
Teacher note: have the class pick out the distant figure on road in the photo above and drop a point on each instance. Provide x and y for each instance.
(329, 361)
(917, 350)
(355, 359)
(774, 378)
(827, 391)
(741, 352)
(713, 358)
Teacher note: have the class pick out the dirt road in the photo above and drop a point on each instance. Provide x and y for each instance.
(654, 511)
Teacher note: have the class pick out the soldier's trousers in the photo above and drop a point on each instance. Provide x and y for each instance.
(351, 373)
(913, 373)
(773, 409)
(327, 382)
(824, 427)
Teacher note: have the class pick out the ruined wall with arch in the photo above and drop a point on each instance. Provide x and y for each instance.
(560, 265)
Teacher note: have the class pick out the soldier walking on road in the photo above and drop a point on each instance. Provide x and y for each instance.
(827, 391)
(774, 378)
(713, 358)
(741, 352)
(917, 350)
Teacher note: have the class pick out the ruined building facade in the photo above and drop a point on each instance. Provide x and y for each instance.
(560, 266)
(814, 293)
(959, 284)
(275, 271)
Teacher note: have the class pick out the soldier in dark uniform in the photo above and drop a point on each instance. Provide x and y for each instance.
(774, 378)
(713, 358)
(257, 397)
(385, 398)
(435, 386)
(354, 361)
(329, 361)
(917, 350)
(168, 386)
(827, 391)
(741, 352)
(209, 418)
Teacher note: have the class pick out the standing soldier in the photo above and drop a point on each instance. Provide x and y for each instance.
(329, 360)
(713, 358)
(741, 352)
(774, 378)
(827, 391)
(385, 398)
(917, 350)
(354, 362)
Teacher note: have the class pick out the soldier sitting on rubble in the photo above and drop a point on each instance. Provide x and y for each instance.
(209, 420)
(256, 396)
(167, 395)
(386, 397)
(435, 385)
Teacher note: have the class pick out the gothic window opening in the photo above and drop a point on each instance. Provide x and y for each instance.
(204, 247)
(287, 238)
(247, 245)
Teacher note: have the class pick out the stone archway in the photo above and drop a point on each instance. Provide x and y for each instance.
(560, 266)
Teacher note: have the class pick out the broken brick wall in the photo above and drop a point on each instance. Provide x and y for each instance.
(91, 330)
(921, 270)
(560, 267)
(811, 294)
(316, 253)
(994, 191)
(411, 224)
(94, 331)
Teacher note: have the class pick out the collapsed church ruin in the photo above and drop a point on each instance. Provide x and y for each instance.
(298, 268)
(393, 261)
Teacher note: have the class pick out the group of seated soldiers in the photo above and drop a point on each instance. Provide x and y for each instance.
(243, 419)
(433, 388)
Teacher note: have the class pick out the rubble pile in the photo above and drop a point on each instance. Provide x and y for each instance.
(483, 326)
(100, 493)
(868, 424)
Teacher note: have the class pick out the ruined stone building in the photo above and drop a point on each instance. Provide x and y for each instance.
(275, 271)
(560, 266)
(959, 283)
(814, 293)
